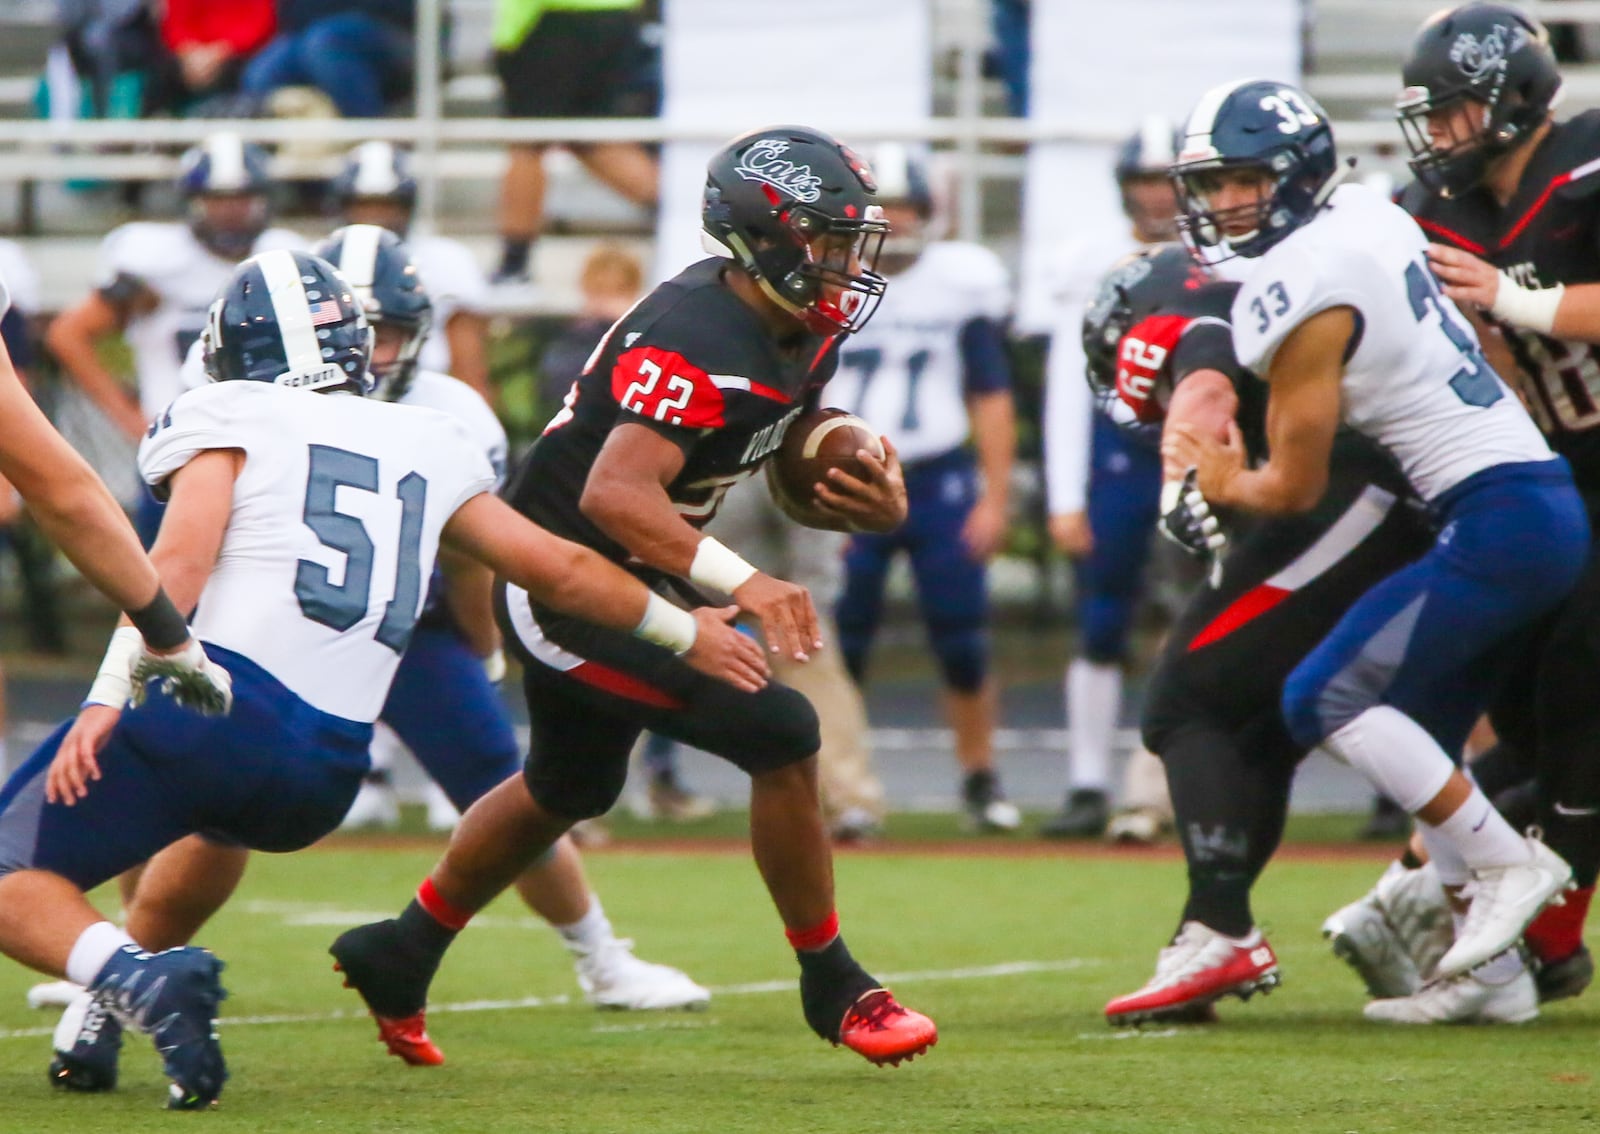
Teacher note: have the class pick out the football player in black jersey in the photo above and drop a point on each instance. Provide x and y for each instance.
(1160, 355)
(1511, 199)
(688, 393)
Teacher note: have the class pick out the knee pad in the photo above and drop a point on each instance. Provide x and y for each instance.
(1395, 753)
(788, 732)
(585, 796)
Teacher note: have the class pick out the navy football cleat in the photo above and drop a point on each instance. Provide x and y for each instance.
(172, 997)
(87, 1042)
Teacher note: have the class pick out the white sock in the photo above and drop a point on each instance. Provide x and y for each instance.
(590, 931)
(93, 949)
(1094, 698)
(1395, 753)
(1447, 861)
(1482, 835)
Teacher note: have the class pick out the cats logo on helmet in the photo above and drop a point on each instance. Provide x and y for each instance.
(1496, 63)
(265, 326)
(795, 210)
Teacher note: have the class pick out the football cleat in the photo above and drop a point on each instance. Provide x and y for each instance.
(612, 977)
(1199, 968)
(1084, 815)
(1394, 935)
(884, 1032)
(442, 814)
(1566, 978)
(87, 1041)
(1467, 998)
(375, 806)
(1504, 900)
(172, 997)
(985, 807)
(376, 963)
(1138, 826)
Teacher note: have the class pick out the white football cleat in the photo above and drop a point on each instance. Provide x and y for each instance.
(612, 977)
(53, 994)
(1467, 998)
(1504, 900)
(1394, 935)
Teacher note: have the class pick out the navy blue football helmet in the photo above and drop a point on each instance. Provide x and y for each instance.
(378, 267)
(225, 182)
(773, 198)
(1142, 159)
(291, 319)
(1490, 57)
(1272, 130)
(377, 186)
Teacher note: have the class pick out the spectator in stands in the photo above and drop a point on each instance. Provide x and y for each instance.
(210, 44)
(611, 280)
(566, 59)
(360, 53)
(115, 53)
(1009, 58)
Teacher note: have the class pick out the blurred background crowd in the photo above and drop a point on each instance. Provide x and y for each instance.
(545, 161)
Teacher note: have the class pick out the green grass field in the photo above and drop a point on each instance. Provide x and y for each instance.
(1014, 956)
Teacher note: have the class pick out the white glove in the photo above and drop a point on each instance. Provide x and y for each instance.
(189, 677)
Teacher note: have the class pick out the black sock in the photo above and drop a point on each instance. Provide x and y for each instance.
(514, 256)
(422, 932)
(830, 981)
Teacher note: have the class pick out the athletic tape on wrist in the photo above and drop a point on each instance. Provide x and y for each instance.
(717, 566)
(667, 625)
(113, 684)
(1530, 307)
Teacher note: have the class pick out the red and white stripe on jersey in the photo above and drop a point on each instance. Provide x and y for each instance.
(603, 677)
(1141, 356)
(1576, 173)
(662, 384)
(1359, 521)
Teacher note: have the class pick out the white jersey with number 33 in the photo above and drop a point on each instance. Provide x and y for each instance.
(1417, 382)
(336, 519)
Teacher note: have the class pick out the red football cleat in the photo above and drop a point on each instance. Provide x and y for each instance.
(408, 1038)
(883, 1031)
(1200, 967)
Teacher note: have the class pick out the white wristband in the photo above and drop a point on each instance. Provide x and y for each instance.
(1530, 307)
(113, 684)
(716, 566)
(1171, 494)
(667, 625)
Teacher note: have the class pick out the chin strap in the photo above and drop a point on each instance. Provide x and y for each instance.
(1340, 175)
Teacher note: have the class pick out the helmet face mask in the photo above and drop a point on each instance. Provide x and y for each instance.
(1257, 162)
(288, 319)
(1478, 81)
(796, 211)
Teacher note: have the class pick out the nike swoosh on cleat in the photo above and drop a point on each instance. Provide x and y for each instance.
(1479, 824)
(1575, 812)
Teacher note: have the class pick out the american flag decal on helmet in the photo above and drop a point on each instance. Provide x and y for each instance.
(325, 311)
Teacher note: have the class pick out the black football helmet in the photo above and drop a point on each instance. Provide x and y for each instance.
(225, 182)
(1272, 129)
(1138, 286)
(291, 319)
(797, 210)
(1490, 56)
(377, 265)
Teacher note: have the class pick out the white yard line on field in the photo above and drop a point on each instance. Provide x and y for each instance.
(976, 972)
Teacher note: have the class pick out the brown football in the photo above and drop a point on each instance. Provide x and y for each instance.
(816, 442)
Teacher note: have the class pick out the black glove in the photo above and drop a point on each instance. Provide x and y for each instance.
(1186, 520)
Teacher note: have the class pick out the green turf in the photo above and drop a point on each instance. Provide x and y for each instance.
(1021, 1052)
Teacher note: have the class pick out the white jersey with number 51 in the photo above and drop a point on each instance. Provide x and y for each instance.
(1416, 381)
(336, 519)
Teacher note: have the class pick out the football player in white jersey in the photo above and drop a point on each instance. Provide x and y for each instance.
(305, 529)
(1102, 489)
(156, 281)
(1344, 319)
(376, 186)
(931, 371)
